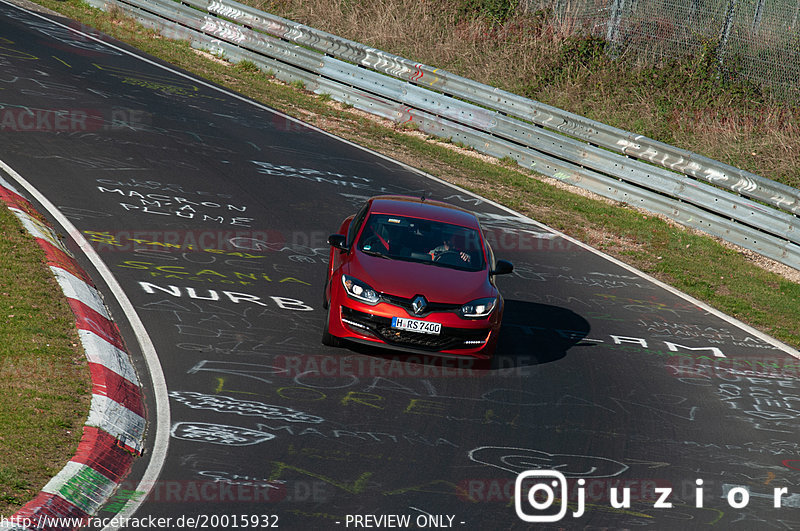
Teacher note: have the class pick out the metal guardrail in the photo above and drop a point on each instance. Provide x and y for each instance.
(735, 205)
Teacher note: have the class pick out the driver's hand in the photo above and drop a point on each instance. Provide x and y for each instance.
(464, 256)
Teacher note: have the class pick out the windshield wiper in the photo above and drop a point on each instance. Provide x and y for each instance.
(376, 253)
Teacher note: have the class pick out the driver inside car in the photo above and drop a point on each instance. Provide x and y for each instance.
(449, 247)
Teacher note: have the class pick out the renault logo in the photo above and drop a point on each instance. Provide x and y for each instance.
(419, 304)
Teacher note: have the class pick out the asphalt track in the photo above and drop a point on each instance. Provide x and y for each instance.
(211, 213)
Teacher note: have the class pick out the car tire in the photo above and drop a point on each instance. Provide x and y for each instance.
(328, 339)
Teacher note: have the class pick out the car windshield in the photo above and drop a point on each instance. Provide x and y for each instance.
(421, 240)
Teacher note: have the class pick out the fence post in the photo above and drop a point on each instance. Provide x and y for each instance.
(730, 14)
(617, 8)
(757, 16)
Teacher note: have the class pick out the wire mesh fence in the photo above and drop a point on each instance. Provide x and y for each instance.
(755, 41)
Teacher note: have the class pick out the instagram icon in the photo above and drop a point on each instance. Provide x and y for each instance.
(541, 496)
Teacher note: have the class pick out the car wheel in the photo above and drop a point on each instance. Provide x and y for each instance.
(328, 339)
(325, 296)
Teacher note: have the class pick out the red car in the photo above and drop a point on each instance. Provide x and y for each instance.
(413, 274)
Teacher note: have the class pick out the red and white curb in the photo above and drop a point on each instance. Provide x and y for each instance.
(114, 431)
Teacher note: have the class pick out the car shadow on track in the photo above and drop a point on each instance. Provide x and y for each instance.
(534, 334)
(531, 334)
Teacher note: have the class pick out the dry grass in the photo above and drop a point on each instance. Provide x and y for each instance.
(680, 104)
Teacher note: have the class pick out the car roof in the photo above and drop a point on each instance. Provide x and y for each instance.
(422, 208)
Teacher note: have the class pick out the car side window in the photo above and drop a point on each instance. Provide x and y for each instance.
(355, 225)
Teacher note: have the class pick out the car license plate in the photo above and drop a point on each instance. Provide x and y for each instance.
(412, 325)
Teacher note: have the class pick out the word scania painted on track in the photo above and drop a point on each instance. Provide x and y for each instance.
(284, 303)
(205, 275)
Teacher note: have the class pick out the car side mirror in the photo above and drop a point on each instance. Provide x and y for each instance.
(338, 241)
(503, 267)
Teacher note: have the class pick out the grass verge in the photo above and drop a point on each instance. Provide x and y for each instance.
(45, 384)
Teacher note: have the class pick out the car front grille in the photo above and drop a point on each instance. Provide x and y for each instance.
(431, 307)
(450, 338)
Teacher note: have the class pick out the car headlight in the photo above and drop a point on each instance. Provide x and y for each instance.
(360, 290)
(478, 308)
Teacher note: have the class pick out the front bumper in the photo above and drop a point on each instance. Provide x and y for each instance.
(458, 337)
(380, 327)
